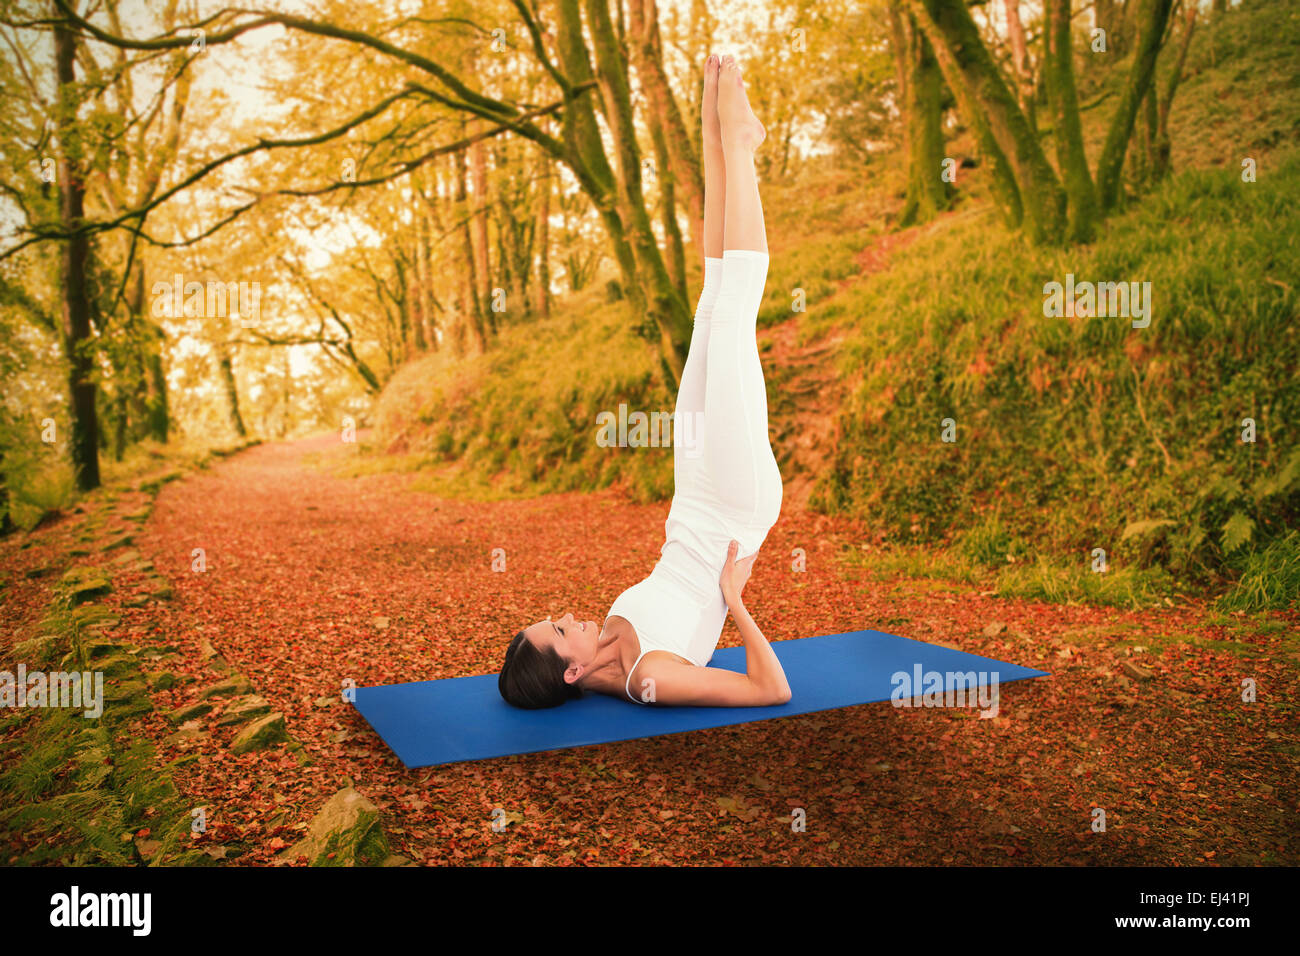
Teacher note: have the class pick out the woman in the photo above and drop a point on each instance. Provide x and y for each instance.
(660, 634)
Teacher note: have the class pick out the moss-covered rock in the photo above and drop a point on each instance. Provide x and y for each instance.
(119, 541)
(82, 584)
(37, 652)
(98, 649)
(346, 832)
(236, 686)
(93, 615)
(165, 680)
(160, 589)
(243, 709)
(261, 734)
(189, 712)
(126, 699)
(154, 484)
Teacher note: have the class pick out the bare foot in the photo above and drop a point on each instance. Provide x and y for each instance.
(709, 107)
(740, 127)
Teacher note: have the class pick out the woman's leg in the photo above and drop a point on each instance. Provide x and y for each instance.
(742, 133)
(741, 468)
(689, 412)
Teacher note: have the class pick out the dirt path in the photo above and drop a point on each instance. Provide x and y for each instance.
(313, 578)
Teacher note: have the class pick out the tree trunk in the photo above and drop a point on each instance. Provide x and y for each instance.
(6, 522)
(664, 301)
(1079, 190)
(922, 107)
(483, 260)
(226, 361)
(427, 308)
(157, 411)
(682, 168)
(415, 288)
(1162, 147)
(544, 187)
(1108, 15)
(969, 69)
(1006, 189)
(84, 445)
(1143, 151)
(1020, 64)
(121, 417)
(471, 311)
(676, 258)
(1152, 19)
(159, 420)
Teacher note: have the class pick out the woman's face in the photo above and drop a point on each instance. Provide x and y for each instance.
(575, 641)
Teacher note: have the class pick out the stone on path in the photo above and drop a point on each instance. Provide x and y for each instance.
(243, 709)
(81, 584)
(261, 734)
(346, 832)
(236, 686)
(1135, 672)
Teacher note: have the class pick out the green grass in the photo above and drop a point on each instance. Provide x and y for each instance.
(78, 785)
(1063, 424)
(1269, 578)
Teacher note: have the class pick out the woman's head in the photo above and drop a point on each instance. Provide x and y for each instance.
(546, 662)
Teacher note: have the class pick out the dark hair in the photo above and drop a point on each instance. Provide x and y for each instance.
(532, 678)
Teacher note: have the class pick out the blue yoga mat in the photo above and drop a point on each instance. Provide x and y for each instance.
(433, 722)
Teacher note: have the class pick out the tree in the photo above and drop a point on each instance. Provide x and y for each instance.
(618, 197)
(1024, 181)
(78, 346)
(1151, 25)
(920, 87)
(1064, 101)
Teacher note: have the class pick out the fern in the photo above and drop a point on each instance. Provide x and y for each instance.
(1279, 483)
(1236, 531)
(1139, 528)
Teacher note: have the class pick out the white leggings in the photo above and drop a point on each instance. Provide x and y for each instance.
(728, 483)
(729, 468)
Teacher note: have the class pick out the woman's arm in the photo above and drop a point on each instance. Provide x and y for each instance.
(761, 664)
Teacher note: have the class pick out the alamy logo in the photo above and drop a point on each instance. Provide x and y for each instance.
(1100, 299)
(950, 689)
(639, 430)
(102, 909)
(215, 300)
(59, 689)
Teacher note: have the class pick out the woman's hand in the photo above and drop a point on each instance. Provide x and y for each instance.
(735, 574)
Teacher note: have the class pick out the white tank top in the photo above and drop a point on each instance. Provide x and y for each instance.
(679, 607)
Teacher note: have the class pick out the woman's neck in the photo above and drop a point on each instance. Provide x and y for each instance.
(608, 672)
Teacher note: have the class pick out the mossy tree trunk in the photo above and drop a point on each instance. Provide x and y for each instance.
(1020, 63)
(77, 341)
(665, 304)
(1151, 25)
(683, 170)
(544, 188)
(226, 362)
(986, 103)
(1162, 147)
(966, 62)
(921, 95)
(585, 151)
(1064, 99)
